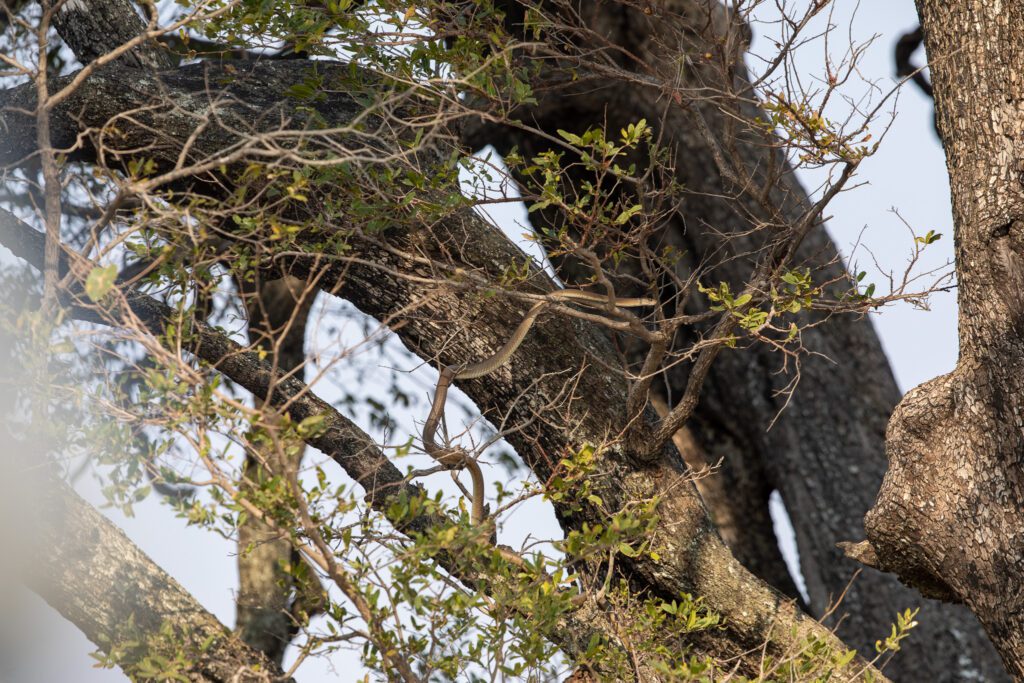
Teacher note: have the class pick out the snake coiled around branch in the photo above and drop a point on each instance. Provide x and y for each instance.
(456, 457)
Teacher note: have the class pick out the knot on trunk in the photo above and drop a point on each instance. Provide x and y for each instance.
(905, 526)
(1008, 269)
(948, 517)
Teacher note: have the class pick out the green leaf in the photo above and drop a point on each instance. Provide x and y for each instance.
(628, 213)
(100, 281)
(845, 658)
(310, 425)
(569, 137)
(301, 91)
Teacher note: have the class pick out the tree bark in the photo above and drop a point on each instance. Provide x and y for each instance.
(737, 501)
(96, 28)
(825, 452)
(950, 514)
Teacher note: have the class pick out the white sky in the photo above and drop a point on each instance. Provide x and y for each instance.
(908, 173)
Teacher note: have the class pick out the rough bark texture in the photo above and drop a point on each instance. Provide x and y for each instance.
(100, 581)
(825, 454)
(173, 102)
(738, 510)
(950, 515)
(94, 28)
(823, 476)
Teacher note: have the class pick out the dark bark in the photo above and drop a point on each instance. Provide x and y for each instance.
(815, 470)
(173, 102)
(825, 454)
(96, 28)
(949, 516)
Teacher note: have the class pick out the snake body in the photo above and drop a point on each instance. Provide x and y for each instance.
(458, 457)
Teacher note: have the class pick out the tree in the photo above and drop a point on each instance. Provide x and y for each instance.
(953, 441)
(660, 181)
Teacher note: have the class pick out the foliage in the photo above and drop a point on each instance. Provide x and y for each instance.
(412, 579)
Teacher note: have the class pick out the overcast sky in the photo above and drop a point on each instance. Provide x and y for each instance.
(908, 174)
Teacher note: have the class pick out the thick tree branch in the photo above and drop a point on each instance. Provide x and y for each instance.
(91, 573)
(428, 337)
(96, 28)
(950, 512)
(690, 555)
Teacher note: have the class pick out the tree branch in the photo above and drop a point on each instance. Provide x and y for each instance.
(91, 573)
(382, 279)
(95, 28)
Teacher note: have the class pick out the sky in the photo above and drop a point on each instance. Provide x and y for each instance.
(907, 175)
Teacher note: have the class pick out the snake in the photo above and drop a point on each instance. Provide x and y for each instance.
(456, 457)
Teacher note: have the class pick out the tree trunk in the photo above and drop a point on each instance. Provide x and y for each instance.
(950, 516)
(270, 611)
(825, 453)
